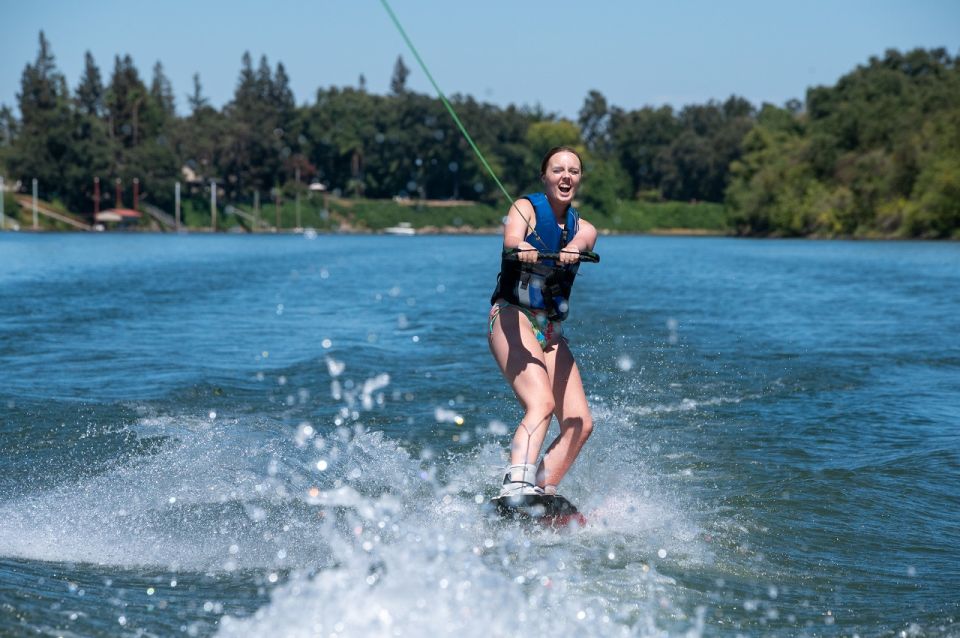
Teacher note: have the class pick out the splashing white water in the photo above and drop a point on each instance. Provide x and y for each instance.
(375, 541)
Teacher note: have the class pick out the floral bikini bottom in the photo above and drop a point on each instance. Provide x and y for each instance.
(547, 332)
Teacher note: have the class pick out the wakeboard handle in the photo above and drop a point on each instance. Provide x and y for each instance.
(510, 254)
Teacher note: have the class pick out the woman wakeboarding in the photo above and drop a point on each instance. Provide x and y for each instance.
(525, 327)
(538, 265)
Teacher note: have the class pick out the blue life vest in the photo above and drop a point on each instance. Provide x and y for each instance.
(544, 285)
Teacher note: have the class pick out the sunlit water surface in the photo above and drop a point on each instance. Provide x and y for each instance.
(296, 436)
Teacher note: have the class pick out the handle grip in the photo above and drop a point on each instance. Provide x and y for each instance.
(587, 256)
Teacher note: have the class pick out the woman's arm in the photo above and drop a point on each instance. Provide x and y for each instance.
(517, 228)
(583, 241)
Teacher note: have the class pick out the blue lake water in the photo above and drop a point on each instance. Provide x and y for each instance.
(294, 436)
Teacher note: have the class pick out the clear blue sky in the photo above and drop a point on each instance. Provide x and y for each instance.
(547, 52)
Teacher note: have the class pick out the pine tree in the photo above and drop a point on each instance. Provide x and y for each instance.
(91, 153)
(245, 97)
(196, 100)
(46, 124)
(126, 99)
(89, 93)
(281, 94)
(264, 79)
(398, 83)
(162, 92)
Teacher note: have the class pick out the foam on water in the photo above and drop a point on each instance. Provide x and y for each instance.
(428, 556)
(373, 540)
(207, 499)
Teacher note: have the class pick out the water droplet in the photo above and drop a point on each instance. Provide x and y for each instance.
(334, 367)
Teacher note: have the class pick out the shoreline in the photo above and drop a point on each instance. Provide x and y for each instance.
(452, 231)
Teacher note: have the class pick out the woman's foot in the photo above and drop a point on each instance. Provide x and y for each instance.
(520, 480)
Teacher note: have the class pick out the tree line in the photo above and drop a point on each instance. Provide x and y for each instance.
(875, 154)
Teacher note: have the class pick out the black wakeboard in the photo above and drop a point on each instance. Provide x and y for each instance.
(552, 510)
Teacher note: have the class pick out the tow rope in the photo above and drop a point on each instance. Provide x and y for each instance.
(456, 119)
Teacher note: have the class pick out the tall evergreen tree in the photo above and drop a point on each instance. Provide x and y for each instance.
(264, 79)
(89, 93)
(91, 154)
(196, 100)
(46, 127)
(203, 135)
(280, 93)
(246, 95)
(162, 92)
(126, 101)
(398, 81)
(8, 133)
(8, 126)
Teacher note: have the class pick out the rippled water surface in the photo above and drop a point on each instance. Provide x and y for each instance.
(295, 436)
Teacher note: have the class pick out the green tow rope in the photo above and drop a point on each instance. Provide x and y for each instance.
(453, 114)
(443, 98)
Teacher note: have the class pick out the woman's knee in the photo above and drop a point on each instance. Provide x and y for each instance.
(586, 428)
(541, 411)
(581, 426)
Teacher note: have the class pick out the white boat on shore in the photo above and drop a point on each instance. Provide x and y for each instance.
(402, 228)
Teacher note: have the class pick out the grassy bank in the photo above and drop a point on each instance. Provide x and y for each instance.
(651, 217)
(369, 215)
(374, 215)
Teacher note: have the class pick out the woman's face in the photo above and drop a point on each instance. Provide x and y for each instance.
(562, 177)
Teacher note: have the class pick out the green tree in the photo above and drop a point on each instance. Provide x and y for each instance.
(91, 151)
(263, 146)
(695, 164)
(196, 100)
(934, 206)
(89, 94)
(638, 137)
(202, 136)
(126, 101)
(41, 147)
(161, 91)
(594, 121)
(398, 81)
(8, 133)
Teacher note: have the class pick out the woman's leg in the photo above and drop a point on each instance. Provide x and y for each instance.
(521, 359)
(573, 413)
